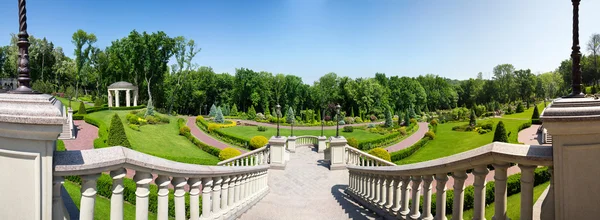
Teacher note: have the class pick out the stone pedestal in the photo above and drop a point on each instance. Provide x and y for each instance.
(291, 144)
(277, 152)
(337, 146)
(29, 128)
(575, 128)
(322, 145)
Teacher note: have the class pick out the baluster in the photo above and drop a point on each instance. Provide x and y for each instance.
(179, 194)
(163, 197)
(231, 195)
(480, 173)
(378, 183)
(246, 161)
(59, 211)
(459, 198)
(440, 198)
(416, 197)
(237, 162)
(88, 196)
(242, 200)
(194, 184)
(397, 192)
(207, 183)
(216, 197)
(142, 179)
(116, 200)
(361, 185)
(388, 197)
(350, 179)
(500, 191)
(404, 210)
(427, 179)
(251, 181)
(236, 193)
(526, 191)
(373, 191)
(225, 196)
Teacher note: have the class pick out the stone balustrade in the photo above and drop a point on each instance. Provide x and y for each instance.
(256, 157)
(307, 141)
(227, 192)
(388, 189)
(357, 157)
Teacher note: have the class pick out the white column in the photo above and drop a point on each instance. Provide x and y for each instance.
(116, 97)
(207, 183)
(142, 179)
(116, 200)
(416, 197)
(179, 194)
(277, 152)
(459, 194)
(88, 196)
(479, 203)
(238, 192)
(194, 184)
(231, 196)
(163, 183)
(59, 210)
(135, 97)
(397, 193)
(378, 183)
(127, 98)
(373, 191)
(405, 195)
(527, 179)
(110, 98)
(440, 198)
(500, 191)
(427, 198)
(216, 197)
(225, 195)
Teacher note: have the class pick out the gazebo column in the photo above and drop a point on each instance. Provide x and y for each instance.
(135, 97)
(110, 101)
(116, 98)
(127, 99)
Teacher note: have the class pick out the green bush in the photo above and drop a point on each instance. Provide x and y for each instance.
(78, 117)
(487, 126)
(132, 119)
(353, 142)
(229, 152)
(520, 108)
(381, 153)
(152, 120)
(213, 111)
(430, 135)
(134, 127)
(184, 130)
(251, 113)
(205, 147)
(406, 152)
(101, 141)
(199, 118)
(500, 134)
(524, 125)
(116, 133)
(472, 120)
(258, 142)
(358, 120)
(433, 122)
(81, 110)
(219, 116)
(60, 145)
(98, 102)
(536, 121)
(348, 129)
(261, 128)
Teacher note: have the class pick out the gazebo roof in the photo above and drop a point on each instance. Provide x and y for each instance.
(122, 85)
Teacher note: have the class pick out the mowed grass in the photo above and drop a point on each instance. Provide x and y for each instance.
(250, 131)
(102, 205)
(513, 206)
(74, 104)
(161, 140)
(448, 142)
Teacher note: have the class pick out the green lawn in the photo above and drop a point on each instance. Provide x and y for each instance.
(251, 131)
(74, 104)
(102, 208)
(526, 115)
(513, 209)
(162, 140)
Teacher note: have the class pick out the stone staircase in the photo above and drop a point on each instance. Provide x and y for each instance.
(68, 127)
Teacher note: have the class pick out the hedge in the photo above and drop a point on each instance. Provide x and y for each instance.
(524, 125)
(386, 139)
(60, 145)
(101, 141)
(104, 186)
(406, 152)
(78, 117)
(116, 133)
(242, 141)
(104, 108)
(205, 147)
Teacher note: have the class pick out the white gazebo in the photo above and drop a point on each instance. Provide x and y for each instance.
(122, 86)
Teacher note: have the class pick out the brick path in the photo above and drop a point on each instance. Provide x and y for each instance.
(409, 141)
(306, 189)
(84, 136)
(205, 138)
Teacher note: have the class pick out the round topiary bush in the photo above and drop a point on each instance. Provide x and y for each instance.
(348, 129)
(381, 153)
(183, 130)
(430, 135)
(199, 118)
(258, 142)
(353, 142)
(433, 122)
(229, 152)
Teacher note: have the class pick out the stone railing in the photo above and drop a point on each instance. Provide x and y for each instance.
(227, 192)
(357, 157)
(256, 157)
(387, 190)
(307, 141)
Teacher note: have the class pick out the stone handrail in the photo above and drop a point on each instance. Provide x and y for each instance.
(357, 157)
(387, 190)
(227, 192)
(307, 141)
(256, 157)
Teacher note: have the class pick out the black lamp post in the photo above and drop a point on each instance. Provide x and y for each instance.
(23, 60)
(322, 122)
(293, 120)
(576, 55)
(337, 120)
(278, 113)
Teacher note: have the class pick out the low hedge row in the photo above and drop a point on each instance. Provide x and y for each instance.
(104, 186)
(242, 141)
(406, 152)
(186, 133)
(103, 108)
(536, 121)
(101, 141)
(525, 125)
(382, 141)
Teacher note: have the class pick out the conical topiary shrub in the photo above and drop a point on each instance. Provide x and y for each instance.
(472, 120)
(389, 122)
(116, 133)
(500, 134)
(219, 116)
(81, 110)
(213, 111)
(536, 113)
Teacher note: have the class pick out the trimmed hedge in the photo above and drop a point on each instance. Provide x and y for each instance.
(205, 147)
(82, 110)
(229, 152)
(104, 108)
(78, 117)
(60, 145)
(101, 141)
(382, 141)
(524, 125)
(258, 142)
(381, 153)
(406, 152)
(242, 141)
(116, 133)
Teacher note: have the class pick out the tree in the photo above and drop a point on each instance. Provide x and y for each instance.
(593, 46)
(536, 113)
(251, 113)
(81, 110)
(213, 111)
(234, 110)
(290, 116)
(500, 133)
(219, 116)
(406, 119)
(82, 39)
(389, 122)
(472, 120)
(520, 108)
(116, 133)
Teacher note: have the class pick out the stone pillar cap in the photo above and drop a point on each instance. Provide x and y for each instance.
(275, 139)
(36, 109)
(572, 109)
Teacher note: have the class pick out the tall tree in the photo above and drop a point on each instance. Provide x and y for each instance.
(83, 46)
(593, 46)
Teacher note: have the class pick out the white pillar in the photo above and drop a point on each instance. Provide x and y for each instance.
(291, 144)
(459, 194)
(405, 195)
(527, 191)
(163, 183)
(500, 191)
(216, 197)
(116, 200)
(29, 127)
(110, 98)
(206, 197)
(337, 147)
(225, 195)
(117, 98)
(142, 179)
(135, 97)
(194, 184)
(427, 198)
(321, 146)
(440, 198)
(397, 193)
(277, 153)
(127, 98)
(479, 185)
(416, 196)
(179, 197)
(88, 196)
(59, 211)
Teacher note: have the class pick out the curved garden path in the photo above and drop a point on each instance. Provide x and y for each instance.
(248, 122)
(205, 138)
(84, 136)
(410, 140)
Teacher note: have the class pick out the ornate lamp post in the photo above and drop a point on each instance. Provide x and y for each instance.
(337, 120)
(278, 113)
(322, 122)
(576, 55)
(293, 120)
(23, 59)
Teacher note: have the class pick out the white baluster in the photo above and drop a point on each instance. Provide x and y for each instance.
(378, 183)
(59, 211)
(241, 199)
(427, 179)
(163, 183)
(116, 200)
(194, 184)
(459, 198)
(389, 194)
(216, 197)
(397, 193)
(179, 194)
(527, 191)
(207, 183)
(231, 195)
(363, 185)
(372, 191)
(416, 197)
(480, 173)
(440, 198)
(500, 191)
(225, 196)
(88, 196)
(404, 210)
(142, 179)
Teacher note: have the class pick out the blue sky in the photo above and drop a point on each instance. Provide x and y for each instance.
(308, 38)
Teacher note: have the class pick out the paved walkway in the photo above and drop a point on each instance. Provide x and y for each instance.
(248, 122)
(84, 136)
(307, 189)
(530, 136)
(412, 139)
(205, 138)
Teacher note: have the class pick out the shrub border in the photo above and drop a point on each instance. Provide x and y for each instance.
(205, 147)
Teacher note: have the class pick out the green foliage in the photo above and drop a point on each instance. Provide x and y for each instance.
(184, 130)
(388, 119)
(406, 119)
(258, 142)
(381, 153)
(251, 113)
(81, 110)
(348, 129)
(524, 125)
(353, 142)
(219, 116)
(98, 102)
(229, 152)
(261, 128)
(289, 117)
(520, 107)
(406, 152)
(536, 113)
(430, 135)
(134, 127)
(234, 110)
(500, 134)
(116, 133)
(472, 120)
(213, 111)
(60, 145)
